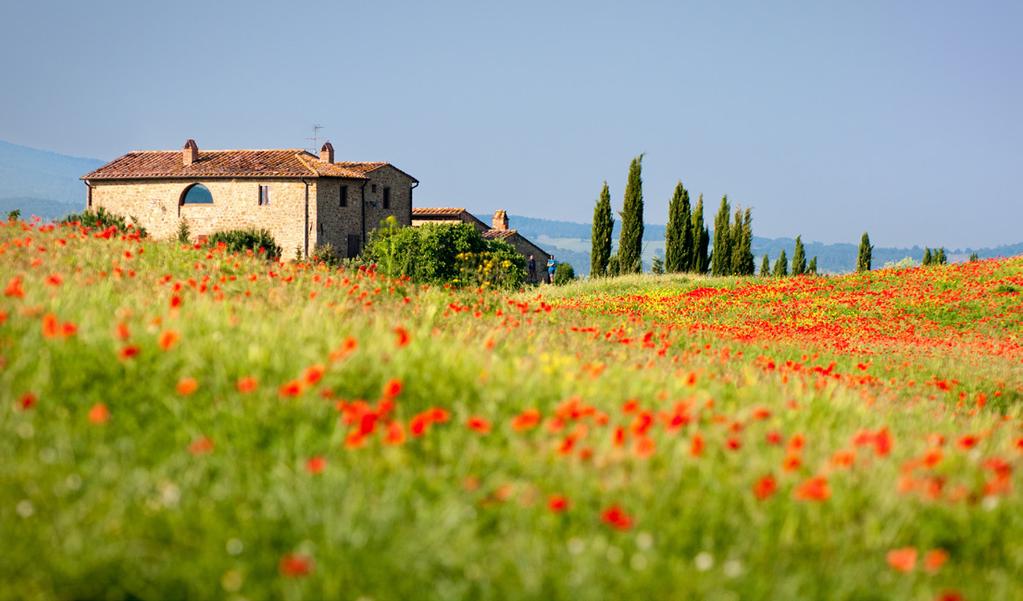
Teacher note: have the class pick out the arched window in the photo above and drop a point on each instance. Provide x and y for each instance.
(196, 194)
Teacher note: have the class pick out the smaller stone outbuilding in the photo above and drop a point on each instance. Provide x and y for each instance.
(497, 230)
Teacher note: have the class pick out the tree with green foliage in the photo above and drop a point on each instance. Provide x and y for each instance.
(799, 258)
(600, 239)
(940, 258)
(744, 245)
(721, 259)
(14, 215)
(765, 267)
(811, 269)
(701, 240)
(781, 265)
(678, 237)
(657, 265)
(630, 243)
(866, 250)
(974, 257)
(928, 258)
(563, 274)
(735, 240)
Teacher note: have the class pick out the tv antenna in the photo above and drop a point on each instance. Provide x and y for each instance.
(316, 137)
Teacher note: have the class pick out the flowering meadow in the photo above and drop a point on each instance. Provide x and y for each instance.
(179, 422)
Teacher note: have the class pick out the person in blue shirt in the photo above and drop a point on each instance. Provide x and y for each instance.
(552, 265)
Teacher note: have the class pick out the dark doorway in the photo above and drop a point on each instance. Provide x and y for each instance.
(353, 246)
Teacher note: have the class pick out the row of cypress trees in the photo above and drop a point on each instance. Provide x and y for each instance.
(687, 238)
(630, 241)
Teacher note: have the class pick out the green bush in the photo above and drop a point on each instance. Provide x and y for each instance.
(325, 253)
(248, 239)
(563, 274)
(101, 219)
(444, 253)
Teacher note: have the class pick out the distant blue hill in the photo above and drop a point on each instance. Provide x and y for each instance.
(32, 175)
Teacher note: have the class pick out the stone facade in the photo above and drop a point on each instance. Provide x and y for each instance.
(156, 205)
(363, 208)
(304, 208)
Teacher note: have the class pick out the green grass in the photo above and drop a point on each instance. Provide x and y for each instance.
(124, 510)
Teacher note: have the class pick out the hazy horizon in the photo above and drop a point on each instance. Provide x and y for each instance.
(827, 120)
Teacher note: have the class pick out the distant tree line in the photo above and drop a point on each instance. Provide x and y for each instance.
(688, 247)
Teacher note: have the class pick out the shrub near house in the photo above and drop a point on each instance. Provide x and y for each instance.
(445, 254)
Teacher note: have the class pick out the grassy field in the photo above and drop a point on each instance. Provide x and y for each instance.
(181, 423)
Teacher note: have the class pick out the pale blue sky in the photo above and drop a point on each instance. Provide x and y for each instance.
(828, 118)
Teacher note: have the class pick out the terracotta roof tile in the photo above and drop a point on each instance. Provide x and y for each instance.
(436, 211)
(499, 234)
(290, 163)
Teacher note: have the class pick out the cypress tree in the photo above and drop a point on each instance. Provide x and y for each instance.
(927, 257)
(812, 267)
(799, 258)
(746, 266)
(974, 257)
(765, 267)
(721, 260)
(603, 225)
(735, 242)
(678, 235)
(657, 265)
(863, 261)
(781, 265)
(701, 240)
(630, 243)
(940, 258)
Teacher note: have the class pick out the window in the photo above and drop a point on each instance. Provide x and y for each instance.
(373, 188)
(387, 197)
(197, 194)
(264, 196)
(344, 196)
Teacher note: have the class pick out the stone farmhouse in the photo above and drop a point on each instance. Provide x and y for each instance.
(497, 230)
(301, 199)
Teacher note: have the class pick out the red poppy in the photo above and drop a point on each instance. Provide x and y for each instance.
(949, 596)
(315, 465)
(313, 374)
(99, 414)
(201, 446)
(395, 434)
(27, 401)
(291, 389)
(129, 352)
(697, 445)
(968, 442)
(934, 559)
(814, 489)
(294, 565)
(14, 288)
(187, 386)
(246, 384)
(168, 338)
(765, 487)
(402, 336)
(557, 503)
(478, 424)
(616, 517)
(902, 560)
(392, 388)
(528, 419)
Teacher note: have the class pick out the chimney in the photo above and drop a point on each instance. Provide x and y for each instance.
(500, 221)
(327, 153)
(190, 153)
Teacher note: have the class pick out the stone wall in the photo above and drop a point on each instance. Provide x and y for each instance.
(155, 204)
(336, 223)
